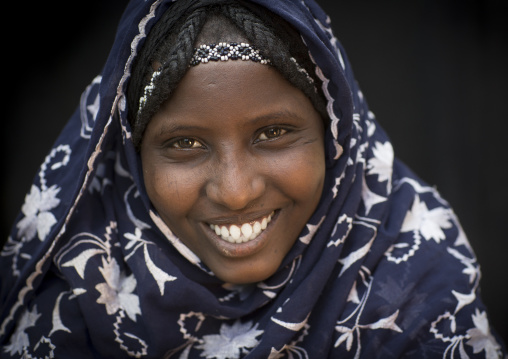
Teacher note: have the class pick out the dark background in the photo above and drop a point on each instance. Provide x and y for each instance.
(434, 72)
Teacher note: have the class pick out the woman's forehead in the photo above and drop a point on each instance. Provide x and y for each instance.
(233, 90)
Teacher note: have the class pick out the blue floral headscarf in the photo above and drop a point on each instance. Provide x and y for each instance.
(382, 269)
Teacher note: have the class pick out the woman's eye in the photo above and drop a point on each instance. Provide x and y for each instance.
(271, 133)
(187, 143)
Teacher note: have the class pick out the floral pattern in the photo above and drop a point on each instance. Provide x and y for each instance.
(364, 279)
(37, 210)
(116, 292)
(381, 163)
(430, 223)
(232, 341)
(19, 339)
(349, 332)
(481, 338)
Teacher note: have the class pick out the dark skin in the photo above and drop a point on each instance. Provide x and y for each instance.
(235, 144)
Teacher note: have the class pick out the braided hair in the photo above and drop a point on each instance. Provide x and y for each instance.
(170, 45)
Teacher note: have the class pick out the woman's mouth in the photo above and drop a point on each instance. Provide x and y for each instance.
(242, 232)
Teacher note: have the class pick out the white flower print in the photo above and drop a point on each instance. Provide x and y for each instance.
(349, 333)
(231, 342)
(79, 262)
(382, 162)
(481, 338)
(134, 239)
(116, 293)
(429, 223)
(38, 218)
(370, 199)
(19, 339)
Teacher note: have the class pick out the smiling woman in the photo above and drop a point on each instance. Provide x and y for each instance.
(223, 191)
(264, 155)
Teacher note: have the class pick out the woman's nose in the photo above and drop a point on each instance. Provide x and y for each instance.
(235, 183)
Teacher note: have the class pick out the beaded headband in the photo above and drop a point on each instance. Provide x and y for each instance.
(219, 52)
(224, 52)
(212, 52)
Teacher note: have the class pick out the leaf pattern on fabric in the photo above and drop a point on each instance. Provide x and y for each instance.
(89, 107)
(349, 333)
(470, 269)
(79, 262)
(57, 319)
(135, 242)
(370, 198)
(354, 329)
(398, 295)
(19, 340)
(158, 274)
(430, 223)
(293, 349)
(116, 292)
(231, 342)
(382, 162)
(312, 231)
(38, 218)
(481, 338)
(134, 239)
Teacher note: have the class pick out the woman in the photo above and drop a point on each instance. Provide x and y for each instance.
(223, 191)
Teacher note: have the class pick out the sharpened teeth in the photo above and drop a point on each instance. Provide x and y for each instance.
(240, 233)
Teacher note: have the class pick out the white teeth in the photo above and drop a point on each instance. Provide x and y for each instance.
(224, 231)
(236, 233)
(247, 230)
(256, 228)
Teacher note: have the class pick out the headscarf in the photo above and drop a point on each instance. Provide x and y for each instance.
(382, 268)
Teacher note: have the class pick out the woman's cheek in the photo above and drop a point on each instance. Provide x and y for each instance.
(302, 174)
(159, 186)
(174, 190)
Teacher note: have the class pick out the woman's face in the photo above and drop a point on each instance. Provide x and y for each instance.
(234, 164)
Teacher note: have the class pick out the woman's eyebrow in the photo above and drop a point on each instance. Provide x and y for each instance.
(277, 115)
(271, 116)
(178, 127)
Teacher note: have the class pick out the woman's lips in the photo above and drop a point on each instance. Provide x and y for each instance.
(242, 232)
(242, 247)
